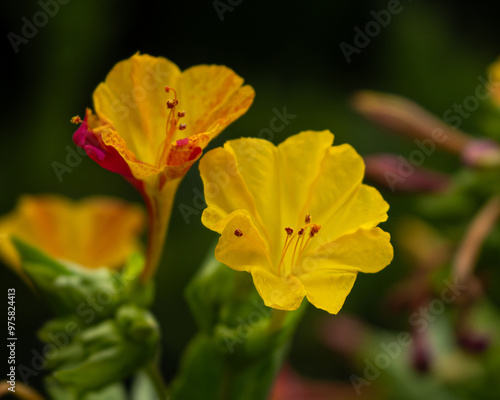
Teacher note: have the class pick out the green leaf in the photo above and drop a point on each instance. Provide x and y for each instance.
(58, 392)
(93, 294)
(206, 291)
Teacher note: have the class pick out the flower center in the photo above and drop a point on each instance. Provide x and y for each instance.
(298, 239)
(173, 123)
(293, 240)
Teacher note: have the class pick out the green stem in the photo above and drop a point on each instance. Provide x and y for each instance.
(227, 381)
(277, 320)
(157, 381)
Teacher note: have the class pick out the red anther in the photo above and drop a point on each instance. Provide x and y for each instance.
(238, 232)
(172, 103)
(314, 230)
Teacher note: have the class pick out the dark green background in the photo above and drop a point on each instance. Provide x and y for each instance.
(289, 52)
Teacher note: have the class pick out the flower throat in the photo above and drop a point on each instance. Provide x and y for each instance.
(173, 123)
(291, 237)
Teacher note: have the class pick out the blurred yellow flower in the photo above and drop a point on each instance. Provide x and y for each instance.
(151, 137)
(296, 216)
(494, 83)
(93, 232)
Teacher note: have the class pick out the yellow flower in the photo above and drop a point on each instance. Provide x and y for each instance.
(151, 137)
(93, 233)
(296, 216)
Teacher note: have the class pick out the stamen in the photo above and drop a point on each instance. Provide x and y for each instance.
(314, 230)
(300, 245)
(168, 89)
(172, 103)
(285, 248)
(172, 125)
(289, 233)
(301, 239)
(76, 120)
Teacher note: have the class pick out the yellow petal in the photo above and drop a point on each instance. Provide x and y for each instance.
(341, 174)
(225, 189)
(328, 289)
(277, 292)
(140, 170)
(242, 252)
(213, 97)
(256, 165)
(133, 98)
(364, 251)
(107, 233)
(300, 162)
(364, 210)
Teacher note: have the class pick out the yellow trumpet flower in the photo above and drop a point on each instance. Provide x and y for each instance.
(152, 123)
(296, 216)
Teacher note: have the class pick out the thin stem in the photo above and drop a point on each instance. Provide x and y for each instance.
(157, 381)
(277, 320)
(478, 231)
(227, 380)
(23, 392)
(409, 119)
